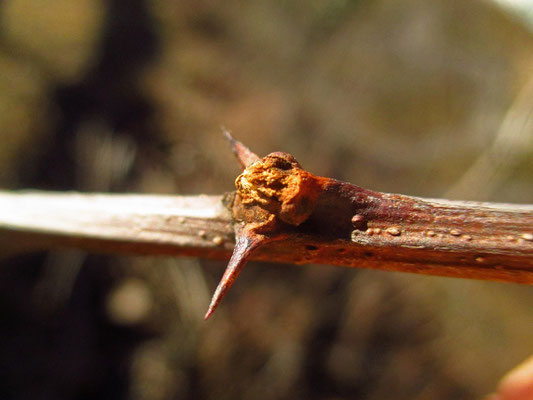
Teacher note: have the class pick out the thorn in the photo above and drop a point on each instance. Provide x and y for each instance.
(247, 242)
(244, 155)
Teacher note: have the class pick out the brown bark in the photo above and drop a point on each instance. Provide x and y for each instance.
(350, 226)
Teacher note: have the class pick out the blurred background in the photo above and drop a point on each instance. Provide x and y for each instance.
(428, 98)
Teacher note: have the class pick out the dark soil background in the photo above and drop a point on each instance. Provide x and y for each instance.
(429, 98)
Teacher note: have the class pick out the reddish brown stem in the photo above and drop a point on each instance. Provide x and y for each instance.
(201, 226)
(338, 222)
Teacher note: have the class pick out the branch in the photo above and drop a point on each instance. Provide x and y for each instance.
(280, 212)
(469, 240)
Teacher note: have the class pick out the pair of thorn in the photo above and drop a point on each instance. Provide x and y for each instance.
(246, 240)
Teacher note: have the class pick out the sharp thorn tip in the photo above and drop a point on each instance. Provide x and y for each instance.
(217, 297)
(208, 314)
(244, 155)
(227, 134)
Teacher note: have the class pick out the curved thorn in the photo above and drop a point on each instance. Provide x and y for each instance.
(244, 155)
(247, 242)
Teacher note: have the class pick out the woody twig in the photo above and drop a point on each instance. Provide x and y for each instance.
(282, 213)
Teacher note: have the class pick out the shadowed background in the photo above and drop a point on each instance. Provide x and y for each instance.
(423, 98)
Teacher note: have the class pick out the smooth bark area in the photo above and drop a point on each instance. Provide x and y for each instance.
(125, 223)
